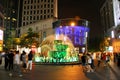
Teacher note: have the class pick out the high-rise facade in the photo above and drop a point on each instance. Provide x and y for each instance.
(10, 21)
(110, 17)
(35, 10)
(1, 26)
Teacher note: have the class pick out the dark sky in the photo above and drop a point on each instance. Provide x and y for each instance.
(85, 9)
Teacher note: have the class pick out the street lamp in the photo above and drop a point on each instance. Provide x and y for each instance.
(72, 23)
(86, 35)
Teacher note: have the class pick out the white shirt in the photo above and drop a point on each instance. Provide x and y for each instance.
(17, 59)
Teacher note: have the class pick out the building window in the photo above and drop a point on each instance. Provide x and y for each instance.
(24, 7)
(41, 17)
(37, 17)
(44, 35)
(30, 17)
(44, 11)
(37, 11)
(23, 23)
(31, 6)
(25, 2)
(27, 7)
(31, 1)
(48, 6)
(24, 12)
(45, 6)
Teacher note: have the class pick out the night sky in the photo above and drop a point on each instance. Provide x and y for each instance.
(85, 9)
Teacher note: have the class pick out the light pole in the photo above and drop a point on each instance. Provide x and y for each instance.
(86, 46)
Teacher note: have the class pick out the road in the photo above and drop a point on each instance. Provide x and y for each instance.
(63, 72)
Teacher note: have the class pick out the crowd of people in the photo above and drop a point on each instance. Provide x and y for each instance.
(88, 62)
(17, 63)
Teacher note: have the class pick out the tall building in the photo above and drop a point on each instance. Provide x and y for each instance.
(1, 26)
(10, 20)
(34, 10)
(110, 17)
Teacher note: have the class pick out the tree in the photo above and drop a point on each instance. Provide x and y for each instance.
(28, 39)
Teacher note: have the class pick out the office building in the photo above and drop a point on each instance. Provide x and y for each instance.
(34, 10)
(110, 17)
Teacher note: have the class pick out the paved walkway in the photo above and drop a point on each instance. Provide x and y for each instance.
(65, 72)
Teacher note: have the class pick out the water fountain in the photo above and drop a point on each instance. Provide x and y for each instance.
(57, 50)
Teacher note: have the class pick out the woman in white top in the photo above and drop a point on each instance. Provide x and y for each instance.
(89, 60)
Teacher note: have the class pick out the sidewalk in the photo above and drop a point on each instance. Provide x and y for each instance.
(115, 69)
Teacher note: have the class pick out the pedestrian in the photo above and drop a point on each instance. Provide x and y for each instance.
(30, 58)
(0, 58)
(104, 58)
(118, 60)
(6, 60)
(10, 62)
(98, 59)
(83, 59)
(24, 61)
(89, 60)
(17, 68)
(92, 57)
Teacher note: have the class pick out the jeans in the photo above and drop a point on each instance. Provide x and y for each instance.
(29, 65)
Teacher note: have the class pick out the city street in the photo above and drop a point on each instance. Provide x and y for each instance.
(64, 72)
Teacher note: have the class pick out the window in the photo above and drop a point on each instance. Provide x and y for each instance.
(30, 17)
(31, 6)
(37, 17)
(31, 1)
(44, 35)
(44, 11)
(27, 7)
(37, 11)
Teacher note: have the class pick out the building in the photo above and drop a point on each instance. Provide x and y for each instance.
(110, 17)
(1, 27)
(10, 21)
(77, 30)
(43, 27)
(34, 10)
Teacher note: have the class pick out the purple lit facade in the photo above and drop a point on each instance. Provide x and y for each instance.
(77, 34)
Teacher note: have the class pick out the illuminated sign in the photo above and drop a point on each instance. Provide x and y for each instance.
(1, 34)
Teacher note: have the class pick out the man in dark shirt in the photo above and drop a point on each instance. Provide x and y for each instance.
(11, 57)
(30, 57)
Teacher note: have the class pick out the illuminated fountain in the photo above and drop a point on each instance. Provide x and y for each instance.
(57, 49)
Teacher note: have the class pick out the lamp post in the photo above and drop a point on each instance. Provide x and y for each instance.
(86, 46)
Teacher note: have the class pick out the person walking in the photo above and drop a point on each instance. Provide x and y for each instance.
(92, 57)
(98, 59)
(83, 59)
(24, 61)
(89, 60)
(30, 58)
(17, 68)
(6, 60)
(10, 62)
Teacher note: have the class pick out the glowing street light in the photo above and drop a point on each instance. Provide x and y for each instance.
(72, 23)
(86, 35)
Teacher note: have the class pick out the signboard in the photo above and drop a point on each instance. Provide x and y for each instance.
(116, 45)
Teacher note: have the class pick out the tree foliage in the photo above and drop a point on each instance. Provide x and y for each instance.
(28, 39)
